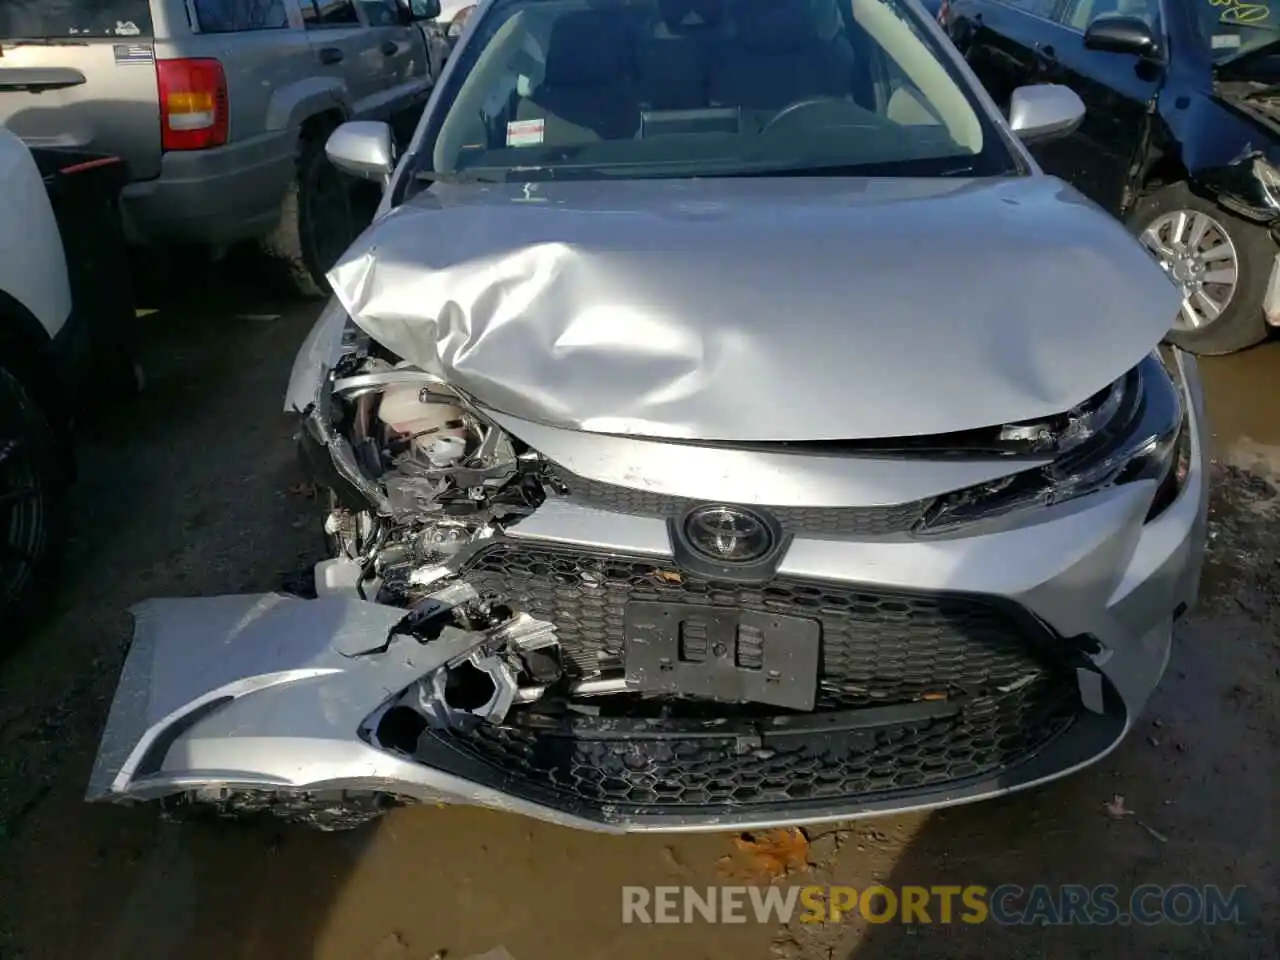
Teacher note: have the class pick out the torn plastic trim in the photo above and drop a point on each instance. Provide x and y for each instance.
(332, 335)
(484, 684)
(318, 429)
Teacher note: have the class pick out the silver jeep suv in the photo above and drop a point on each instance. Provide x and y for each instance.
(220, 107)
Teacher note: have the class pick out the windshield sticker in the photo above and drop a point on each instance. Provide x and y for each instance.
(1239, 12)
(127, 28)
(524, 133)
(1225, 41)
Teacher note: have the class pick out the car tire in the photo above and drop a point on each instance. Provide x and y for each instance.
(1240, 323)
(318, 221)
(33, 487)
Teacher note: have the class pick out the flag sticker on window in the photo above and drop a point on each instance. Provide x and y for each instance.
(524, 133)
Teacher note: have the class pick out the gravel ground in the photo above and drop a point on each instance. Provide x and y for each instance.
(191, 490)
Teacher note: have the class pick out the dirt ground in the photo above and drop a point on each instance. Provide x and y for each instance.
(190, 490)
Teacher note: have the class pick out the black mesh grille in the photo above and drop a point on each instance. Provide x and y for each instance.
(959, 687)
(681, 774)
(878, 648)
(818, 523)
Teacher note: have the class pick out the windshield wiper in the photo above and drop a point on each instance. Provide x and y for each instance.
(453, 179)
(840, 170)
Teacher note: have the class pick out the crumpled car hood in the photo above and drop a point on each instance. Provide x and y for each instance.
(761, 309)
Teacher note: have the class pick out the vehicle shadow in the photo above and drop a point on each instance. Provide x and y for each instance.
(191, 488)
(1176, 803)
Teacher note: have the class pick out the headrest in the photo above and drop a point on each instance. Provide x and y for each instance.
(587, 48)
(775, 25)
(690, 16)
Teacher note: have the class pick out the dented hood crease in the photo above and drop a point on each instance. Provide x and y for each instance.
(761, 309)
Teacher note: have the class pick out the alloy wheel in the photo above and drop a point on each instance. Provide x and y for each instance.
(1198, 253)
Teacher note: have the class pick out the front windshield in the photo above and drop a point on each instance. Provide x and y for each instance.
(1229, 28)
(551, 89)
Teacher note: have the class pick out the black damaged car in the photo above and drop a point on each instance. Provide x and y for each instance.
(1181, 137)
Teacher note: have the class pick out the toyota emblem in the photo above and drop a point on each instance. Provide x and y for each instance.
(728, 534)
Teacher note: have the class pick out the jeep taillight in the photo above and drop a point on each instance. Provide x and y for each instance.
(193, 104)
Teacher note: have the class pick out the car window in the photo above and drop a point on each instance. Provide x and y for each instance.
(329, 13)
(1228, 28)
(34, 19)
(642, 88)
(234, 16)
(1037, 8)
(1078, 14)
(380, 13)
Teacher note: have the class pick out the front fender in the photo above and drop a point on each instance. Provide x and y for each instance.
(1218, 146)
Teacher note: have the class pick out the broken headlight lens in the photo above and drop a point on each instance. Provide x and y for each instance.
(1269, 177)
(1132, 430)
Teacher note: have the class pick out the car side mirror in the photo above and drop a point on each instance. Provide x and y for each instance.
(412, 11)
(1121, 33)
(1046, 111)
(362, 148)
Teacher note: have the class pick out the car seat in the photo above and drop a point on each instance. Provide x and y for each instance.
(783, 51)
(588, 90)
(672, 57)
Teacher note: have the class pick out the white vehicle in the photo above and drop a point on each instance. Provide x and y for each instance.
(36, 333)
(65, 314)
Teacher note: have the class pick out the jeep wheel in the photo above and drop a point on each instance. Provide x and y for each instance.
(318, 221)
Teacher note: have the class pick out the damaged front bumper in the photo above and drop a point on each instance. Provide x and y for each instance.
(950, 670)
(271, 695)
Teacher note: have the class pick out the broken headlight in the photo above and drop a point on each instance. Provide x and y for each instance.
(1135, 429)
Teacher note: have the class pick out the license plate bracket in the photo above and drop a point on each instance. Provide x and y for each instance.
(746, 656)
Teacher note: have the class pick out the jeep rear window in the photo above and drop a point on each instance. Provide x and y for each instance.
(58, 19)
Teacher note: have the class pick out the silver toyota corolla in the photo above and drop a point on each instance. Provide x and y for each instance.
(726, 425)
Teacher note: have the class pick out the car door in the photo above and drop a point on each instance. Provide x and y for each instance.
(999, 39)
(1118, 90)
(399, 73)
(346, 50)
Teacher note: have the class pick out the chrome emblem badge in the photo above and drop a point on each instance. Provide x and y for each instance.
(728, 534)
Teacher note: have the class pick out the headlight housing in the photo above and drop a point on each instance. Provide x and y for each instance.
(1134, 429)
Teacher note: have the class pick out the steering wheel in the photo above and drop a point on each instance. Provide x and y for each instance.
(791, 110)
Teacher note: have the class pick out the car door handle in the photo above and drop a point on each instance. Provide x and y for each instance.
(330, 55)
(1046, 52)
(390, 48)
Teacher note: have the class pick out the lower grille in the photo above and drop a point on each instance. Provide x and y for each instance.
(594, 768)
(917, 693)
